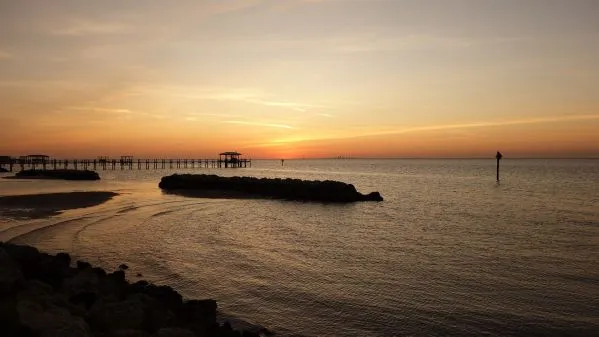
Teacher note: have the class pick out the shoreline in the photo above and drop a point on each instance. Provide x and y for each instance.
(35, 206)
(57, 174)
(44, 294)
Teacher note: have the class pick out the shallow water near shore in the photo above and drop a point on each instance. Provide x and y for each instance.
(449, 251)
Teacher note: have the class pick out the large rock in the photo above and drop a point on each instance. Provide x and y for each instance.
(10, 274)
(52, 269)
(156, 314)
(86, 281)
(166, 295)
(10, 324)
(287, 189)
(173, 332)
(27, 257)
(114, 285)
(124, 315)
(128, 333)
(200, 311)
(51, 321)
(35, 290)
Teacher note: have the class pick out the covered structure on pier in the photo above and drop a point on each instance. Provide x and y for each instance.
(231, 159)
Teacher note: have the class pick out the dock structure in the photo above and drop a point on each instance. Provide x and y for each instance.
(225, 160)
(231, 159)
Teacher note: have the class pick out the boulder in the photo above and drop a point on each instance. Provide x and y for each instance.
(27, 257)
(173, 332)
(200, 311)
(52, 270)
(63, 259)
(83, 265)
(86, 299)
(114, 285)
(156, 314)
(10, 324)
(85, 281)
(166, 295)
(128, 333)
(51, 321)
(35, 290)
(10, 274)
(123, 315)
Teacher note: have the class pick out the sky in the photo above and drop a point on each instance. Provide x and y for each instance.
(299, 78)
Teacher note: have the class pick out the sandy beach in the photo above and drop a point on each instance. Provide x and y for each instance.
(35, 206)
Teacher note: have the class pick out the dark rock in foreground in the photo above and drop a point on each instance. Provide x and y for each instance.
(287, 189)
(58, 174)
(42, 295)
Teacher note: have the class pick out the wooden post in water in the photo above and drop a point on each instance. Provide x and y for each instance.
(498, 156)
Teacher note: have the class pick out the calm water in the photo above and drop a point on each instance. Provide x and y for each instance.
(449, 252)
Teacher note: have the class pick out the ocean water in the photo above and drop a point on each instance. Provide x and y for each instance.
(448, 253)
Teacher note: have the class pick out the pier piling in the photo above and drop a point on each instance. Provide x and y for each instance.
(498, 156)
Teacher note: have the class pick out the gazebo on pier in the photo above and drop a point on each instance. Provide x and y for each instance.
(231, 159)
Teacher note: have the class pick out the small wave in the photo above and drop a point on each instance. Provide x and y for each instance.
(21, 237)
(165, 212)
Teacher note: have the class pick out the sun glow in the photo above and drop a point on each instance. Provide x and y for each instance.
(256, 77)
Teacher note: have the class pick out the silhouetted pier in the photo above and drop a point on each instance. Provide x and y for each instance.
(226, 160)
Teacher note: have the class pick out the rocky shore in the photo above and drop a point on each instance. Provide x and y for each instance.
(49, 296)
(287, 189)
(57, 174)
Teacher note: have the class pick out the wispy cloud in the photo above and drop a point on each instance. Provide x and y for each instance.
(375, 43)
(228, 6)
(85, 27)
(398, 131)
(94, 109)
(216, 115)
(537, 120)
(246, 95)
(203, 93)
(268, 125)
(121, 112)
(289, 105)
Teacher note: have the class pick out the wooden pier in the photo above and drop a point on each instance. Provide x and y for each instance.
(125, 163)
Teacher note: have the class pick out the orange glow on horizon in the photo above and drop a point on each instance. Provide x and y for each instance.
(285, 81)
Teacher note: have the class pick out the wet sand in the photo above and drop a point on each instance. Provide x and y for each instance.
(36, 206)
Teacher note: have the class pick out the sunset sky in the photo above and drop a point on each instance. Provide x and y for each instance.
(300, 78)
